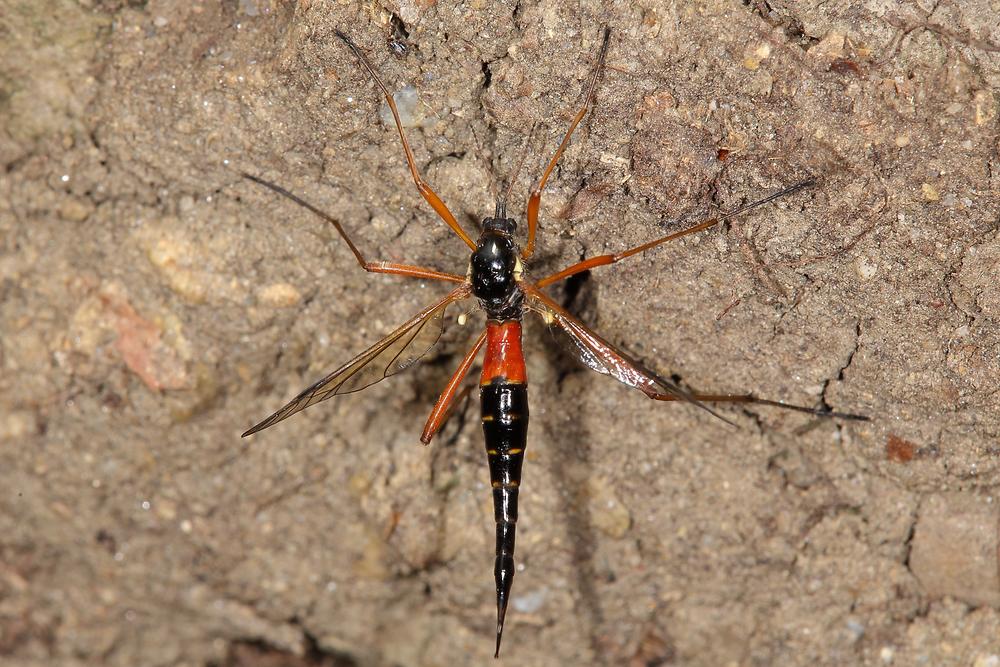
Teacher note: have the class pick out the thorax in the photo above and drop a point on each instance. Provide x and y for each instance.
(494, 271)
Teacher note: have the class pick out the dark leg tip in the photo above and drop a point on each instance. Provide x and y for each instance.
(350, 42)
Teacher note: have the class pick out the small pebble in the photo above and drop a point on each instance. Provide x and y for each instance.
(828, 48)
(75, 210)
(608, 514)
(531, 602)
(279, 295)
(753, 60)
(16, 425)
(856, 628)
(864, 267)
(166, 510)
(986, 107)
(954, 548)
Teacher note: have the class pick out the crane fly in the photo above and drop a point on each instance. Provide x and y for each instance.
(498, 279)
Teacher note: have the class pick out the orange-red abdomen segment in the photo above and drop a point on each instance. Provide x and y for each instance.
(504, 360)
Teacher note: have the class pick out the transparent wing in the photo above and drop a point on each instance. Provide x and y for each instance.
(393, 354)
(599, 355)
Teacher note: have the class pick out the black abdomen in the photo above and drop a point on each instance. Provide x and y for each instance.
(505, 425)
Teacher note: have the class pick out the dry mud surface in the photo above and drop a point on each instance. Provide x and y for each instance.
(154, 304)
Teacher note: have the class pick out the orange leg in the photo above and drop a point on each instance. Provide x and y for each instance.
(536, 196)
(441, 409)
(422, 187)
(372, 267)
(602, 260)
(411, 271)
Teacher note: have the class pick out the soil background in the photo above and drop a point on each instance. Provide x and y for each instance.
(155, 304)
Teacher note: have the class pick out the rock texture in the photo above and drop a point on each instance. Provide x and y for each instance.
(154, 304)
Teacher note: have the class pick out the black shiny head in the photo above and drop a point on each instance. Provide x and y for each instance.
(493, 267)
